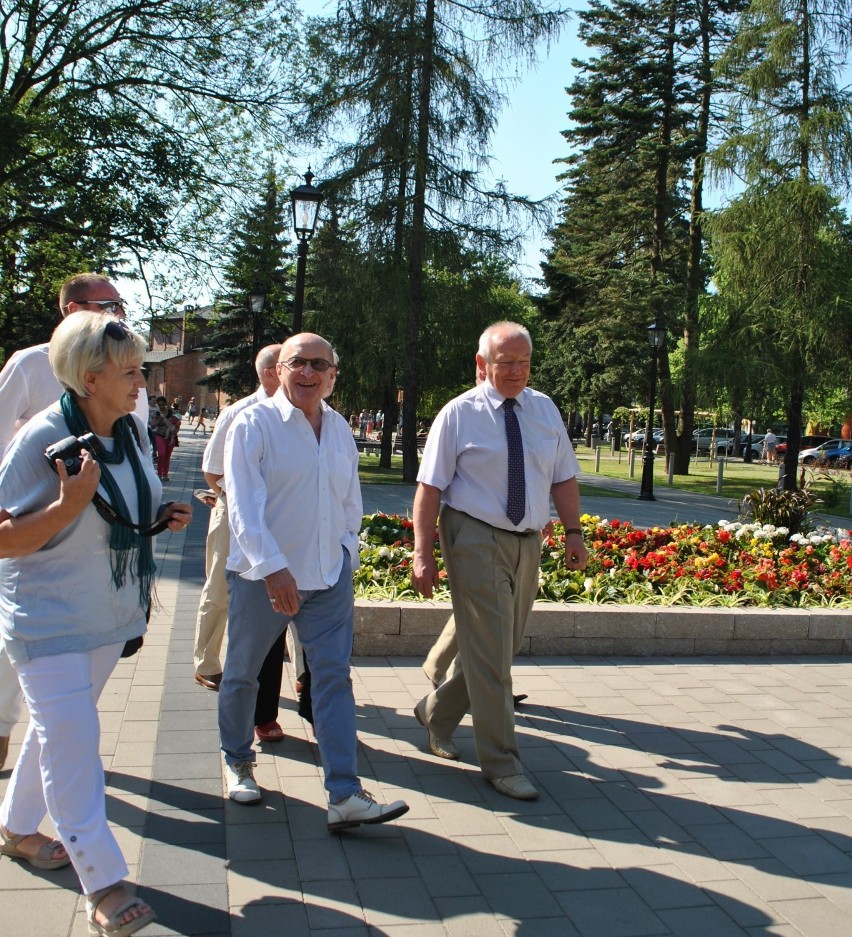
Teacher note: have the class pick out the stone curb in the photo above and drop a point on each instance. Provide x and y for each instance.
(410, 628)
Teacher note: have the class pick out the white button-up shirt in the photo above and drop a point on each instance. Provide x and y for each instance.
(213, 460)
(466, 455)
(293, 501)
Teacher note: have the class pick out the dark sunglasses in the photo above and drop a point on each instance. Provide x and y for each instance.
(117, 330)
(318, 364)
(106, 305)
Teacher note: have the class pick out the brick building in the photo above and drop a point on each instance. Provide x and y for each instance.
(174, 363)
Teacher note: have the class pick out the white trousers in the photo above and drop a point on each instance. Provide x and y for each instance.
(59, 770)
(10, 695)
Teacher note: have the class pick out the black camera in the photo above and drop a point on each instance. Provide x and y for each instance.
(70, 451)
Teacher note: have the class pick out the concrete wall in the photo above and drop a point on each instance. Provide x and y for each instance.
(409, 628)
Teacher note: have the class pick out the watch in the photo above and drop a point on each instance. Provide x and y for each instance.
(573, 530)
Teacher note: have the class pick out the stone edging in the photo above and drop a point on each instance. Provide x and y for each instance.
(409, 629)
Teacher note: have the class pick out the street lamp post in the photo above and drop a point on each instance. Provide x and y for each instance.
(656, 337)
(306, 202)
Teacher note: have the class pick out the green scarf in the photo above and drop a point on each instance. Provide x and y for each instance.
(127, 548)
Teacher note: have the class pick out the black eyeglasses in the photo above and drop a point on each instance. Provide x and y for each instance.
(317, 364)
(117, 330)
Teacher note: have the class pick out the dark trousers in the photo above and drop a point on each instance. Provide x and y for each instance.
(269, 678)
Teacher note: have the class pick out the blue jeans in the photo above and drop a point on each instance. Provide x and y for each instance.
(325, 623)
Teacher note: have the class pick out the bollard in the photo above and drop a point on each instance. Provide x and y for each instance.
(598, 459)
(671, 470)
(720, 475)
(633, 462)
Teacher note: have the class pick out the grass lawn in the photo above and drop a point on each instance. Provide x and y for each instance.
(738, 478)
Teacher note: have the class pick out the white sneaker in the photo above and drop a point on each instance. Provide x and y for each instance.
(242, 786)
(362, 808)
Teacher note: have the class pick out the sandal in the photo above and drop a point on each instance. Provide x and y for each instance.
(113, 926)
(45, 858)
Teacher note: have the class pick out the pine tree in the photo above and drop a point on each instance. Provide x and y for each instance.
(409, 77)
(790, 138)
(255, 263)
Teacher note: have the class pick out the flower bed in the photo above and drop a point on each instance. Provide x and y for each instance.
(723, 565)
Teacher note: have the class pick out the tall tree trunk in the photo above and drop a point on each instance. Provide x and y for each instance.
(682, 450)
(661, 220)
(410, 380)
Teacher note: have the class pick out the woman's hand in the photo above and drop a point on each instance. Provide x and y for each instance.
(26, 533)
(76, 491)
(179, 514)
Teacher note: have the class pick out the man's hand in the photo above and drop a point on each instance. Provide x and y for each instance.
(576, 554)
(283, 592)
(424, 574)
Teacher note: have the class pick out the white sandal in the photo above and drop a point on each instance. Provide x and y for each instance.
(113, 927)
(44, 858)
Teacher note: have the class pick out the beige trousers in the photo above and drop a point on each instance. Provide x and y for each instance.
(212, 617)
(494, 580)
(442, 653)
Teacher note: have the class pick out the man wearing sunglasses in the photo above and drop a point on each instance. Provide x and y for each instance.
(27, 386)
(295, 511)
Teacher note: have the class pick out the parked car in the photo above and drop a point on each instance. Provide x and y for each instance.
(638, 437)
(817, 453)
(806, 442)
(837, 458)
(702, 439)
(726, 446)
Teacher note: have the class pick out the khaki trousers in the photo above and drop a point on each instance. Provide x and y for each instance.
(442, 653)
(494, 580)
(212, 617)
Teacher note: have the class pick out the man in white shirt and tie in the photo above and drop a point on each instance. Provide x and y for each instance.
(295, 511)
(496, 454)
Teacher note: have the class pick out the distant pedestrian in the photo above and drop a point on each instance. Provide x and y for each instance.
(770, 446)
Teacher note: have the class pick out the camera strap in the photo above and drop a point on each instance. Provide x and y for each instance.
(111, 516)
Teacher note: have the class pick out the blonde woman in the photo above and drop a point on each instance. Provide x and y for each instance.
(74, 588)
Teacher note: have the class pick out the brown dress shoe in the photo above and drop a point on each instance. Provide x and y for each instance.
(211, 682)
(4, 750)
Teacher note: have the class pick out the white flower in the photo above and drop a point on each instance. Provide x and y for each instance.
(588, 583)
(384, 551)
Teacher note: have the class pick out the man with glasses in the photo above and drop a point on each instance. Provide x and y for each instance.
(294, 508)
(27, 386)
(496, 454)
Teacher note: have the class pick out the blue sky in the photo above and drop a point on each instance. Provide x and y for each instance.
(529, 135)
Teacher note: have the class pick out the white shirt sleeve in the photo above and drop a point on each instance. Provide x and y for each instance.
(246, 491)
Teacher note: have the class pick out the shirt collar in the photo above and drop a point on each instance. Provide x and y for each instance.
(496, 399)
(282, 402)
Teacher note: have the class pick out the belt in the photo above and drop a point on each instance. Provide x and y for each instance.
(504, 530)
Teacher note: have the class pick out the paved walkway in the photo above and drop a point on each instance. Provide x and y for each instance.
(679, 797)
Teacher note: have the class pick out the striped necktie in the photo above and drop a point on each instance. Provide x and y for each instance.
(516, 500)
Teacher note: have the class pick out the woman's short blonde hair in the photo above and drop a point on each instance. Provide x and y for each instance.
(81, 343)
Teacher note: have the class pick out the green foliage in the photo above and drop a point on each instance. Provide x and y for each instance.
(619, 250)
(123, 123)
(254, 263)
(781, 508)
